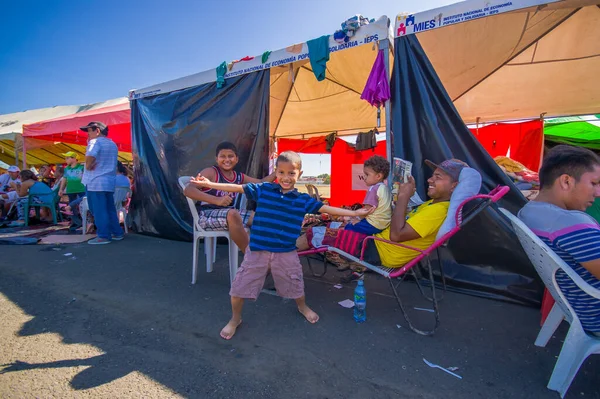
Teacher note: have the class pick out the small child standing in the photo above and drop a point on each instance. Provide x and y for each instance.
(379, 197)
(277, 224)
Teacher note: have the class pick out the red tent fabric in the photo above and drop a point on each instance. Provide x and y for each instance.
(346, 165)
(525, 141)
(66, 128)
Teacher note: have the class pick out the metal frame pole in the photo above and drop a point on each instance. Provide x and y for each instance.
(385, 46)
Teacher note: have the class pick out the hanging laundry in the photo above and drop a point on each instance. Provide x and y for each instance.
(318, 51)
(349, 28)
(221, 70)
(366, 141)
(232, 63)
(265, 56)
(330, 139)
(377, 89)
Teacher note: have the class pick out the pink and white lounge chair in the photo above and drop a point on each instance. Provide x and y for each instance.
(470, 181)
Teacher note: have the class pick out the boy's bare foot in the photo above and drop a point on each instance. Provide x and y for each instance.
(308, 313)
(229, 330)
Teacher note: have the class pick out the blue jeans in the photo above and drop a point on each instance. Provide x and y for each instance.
(363, 227)
(74, 200)
(102, 206)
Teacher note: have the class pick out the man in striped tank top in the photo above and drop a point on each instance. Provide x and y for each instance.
(216, 208)
(569, 184)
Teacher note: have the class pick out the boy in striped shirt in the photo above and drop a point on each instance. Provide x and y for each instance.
(569, 184)
(277, 224)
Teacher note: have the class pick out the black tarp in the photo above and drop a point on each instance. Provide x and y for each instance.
(175, 134)
(485, 258)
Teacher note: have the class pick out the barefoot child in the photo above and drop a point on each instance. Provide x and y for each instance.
(279, 215)
(216, 207)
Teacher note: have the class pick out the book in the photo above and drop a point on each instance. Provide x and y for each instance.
(401, 172)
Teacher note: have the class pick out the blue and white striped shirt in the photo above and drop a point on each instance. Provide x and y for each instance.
(104, 175)
(278, 218)
(575, 237)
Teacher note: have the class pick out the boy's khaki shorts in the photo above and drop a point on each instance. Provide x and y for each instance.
(285, 268)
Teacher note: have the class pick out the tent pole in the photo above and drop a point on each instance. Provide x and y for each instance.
(24, 154)
(17, 150)
(385, 46)
(542, 115)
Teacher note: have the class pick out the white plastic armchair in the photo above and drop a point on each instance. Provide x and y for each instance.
(121, 195)
(210, 239)
(578, 345)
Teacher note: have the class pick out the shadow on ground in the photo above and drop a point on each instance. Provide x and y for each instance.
(133, 301)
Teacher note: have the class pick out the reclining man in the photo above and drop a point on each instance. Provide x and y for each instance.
(569, 184)
(417, 228)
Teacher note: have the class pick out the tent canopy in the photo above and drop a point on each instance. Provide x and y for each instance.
(65, 129)
(518, 64)
(48, 149)
(299, 104)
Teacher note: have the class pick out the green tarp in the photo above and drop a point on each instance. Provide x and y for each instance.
(582, 131)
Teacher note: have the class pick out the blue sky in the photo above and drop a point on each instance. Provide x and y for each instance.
(79, 52)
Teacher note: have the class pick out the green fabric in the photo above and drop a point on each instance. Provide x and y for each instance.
(265, 56)
(578, 133)
(221, 71)
(73, 176)
(318, 52)
(594, 210)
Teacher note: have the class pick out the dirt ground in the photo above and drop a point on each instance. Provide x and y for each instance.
(123, 321)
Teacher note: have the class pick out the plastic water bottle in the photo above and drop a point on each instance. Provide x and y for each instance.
(360, 302)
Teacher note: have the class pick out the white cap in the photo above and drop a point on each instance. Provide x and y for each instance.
(14, 168)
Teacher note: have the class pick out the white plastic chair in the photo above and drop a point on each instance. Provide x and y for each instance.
(120, 196)
(210, 239)
(578, 345)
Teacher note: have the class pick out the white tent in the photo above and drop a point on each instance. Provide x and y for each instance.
(11, 129)
(301, 106)
(515, 65)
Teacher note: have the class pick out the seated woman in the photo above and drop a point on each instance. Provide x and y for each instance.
(28, 179)
(59, 177)
(417, 228)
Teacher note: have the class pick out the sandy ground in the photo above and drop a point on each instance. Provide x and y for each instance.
(324, 189)
(123, 321)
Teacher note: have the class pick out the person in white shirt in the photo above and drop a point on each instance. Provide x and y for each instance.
(7, 194)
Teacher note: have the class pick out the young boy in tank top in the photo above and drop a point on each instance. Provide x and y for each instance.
(216, 207)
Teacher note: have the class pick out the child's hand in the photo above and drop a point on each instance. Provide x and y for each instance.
(225, 201)
(200, 181)
(364, 212)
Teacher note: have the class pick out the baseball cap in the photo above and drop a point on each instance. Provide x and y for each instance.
(13, 169)
(103, 128)
(452, 167)
(70, 154)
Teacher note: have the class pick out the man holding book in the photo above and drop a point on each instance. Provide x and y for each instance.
(416, 228)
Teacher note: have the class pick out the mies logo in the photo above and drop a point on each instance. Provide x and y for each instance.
(406, 21)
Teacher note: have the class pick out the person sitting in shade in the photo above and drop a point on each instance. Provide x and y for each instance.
(216, 207)
(8, 195)
(417, 228)
(569, 184)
